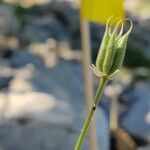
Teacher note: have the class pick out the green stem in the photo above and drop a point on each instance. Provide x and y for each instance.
(90, 114)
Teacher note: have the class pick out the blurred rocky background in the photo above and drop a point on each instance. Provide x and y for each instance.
(41, 81)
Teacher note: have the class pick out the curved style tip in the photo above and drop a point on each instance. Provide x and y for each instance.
(115, 30)
(108, 22)
(116, 21)
(121, 31)
(131, 26)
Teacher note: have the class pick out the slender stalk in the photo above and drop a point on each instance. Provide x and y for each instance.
(88, 79)
(96, 100)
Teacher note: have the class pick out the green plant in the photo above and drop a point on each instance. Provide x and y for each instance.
(108, 63)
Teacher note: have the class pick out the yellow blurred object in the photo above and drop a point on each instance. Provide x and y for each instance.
(100, 10)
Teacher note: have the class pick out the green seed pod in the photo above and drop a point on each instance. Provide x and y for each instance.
(103, 48)
(120, 51)
(112, 49)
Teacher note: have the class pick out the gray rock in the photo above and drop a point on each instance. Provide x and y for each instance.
(136, 119)
(6, 75)
(67, 13)
(22, 58)
(8, 22)
(35, 106)
(36, 135)
(4, 81)
(43, 28)
(53, 98)
(102, 130)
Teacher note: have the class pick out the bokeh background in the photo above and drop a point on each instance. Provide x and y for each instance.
(42, 99)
